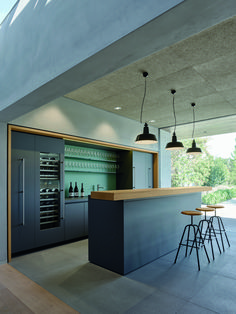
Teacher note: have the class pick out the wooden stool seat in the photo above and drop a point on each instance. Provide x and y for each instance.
(205, 209)
(191, 213)
(215, 206)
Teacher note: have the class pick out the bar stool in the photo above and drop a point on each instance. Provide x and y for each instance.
(192, 242)
(221, 228)
(208, 232)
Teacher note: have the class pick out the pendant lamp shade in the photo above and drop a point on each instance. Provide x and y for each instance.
(174, 144)
(194, 150)
(145, 137)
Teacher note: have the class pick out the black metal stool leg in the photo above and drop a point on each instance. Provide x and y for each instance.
(218, 230)
(180, 243)
(223, 229)
(196, 246)
(203, 244)
(214, 233)
(186, 251)
(210, 239)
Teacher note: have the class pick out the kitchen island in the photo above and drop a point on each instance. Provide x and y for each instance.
(130, 228)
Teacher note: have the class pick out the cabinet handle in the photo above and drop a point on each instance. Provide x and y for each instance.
(63, 204)
(62, 172)
(133, 177)
(23, 191)
(149, 178)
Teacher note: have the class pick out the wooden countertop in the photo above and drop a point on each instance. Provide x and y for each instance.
(118, 195)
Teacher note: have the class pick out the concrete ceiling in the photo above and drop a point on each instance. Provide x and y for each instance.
(201, 68)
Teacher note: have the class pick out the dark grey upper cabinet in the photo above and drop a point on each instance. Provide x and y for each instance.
(47, 144)
(135, 171)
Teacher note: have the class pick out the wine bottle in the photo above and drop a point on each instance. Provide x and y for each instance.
(82, 190)
(76, 190)
(71, 191)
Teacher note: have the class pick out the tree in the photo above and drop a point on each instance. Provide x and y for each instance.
(188, 170)
(219, 173)
(233, 166)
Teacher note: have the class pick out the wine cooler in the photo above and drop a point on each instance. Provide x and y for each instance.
(50, 213)
(37, 191)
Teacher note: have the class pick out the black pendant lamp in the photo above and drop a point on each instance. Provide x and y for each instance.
(194, 150)
(174, 144)
(145, 137)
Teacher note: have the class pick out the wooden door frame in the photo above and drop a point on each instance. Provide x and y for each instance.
(73, 138)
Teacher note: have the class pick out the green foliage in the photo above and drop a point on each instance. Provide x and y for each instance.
(218, 196)
(219, 173)
(202, 169)
(233, 166)
(188, 170)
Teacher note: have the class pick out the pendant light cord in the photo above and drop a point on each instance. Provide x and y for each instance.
(145, 74)
(173, 93)
(193, 105)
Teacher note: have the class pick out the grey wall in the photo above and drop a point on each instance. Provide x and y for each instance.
(3, 193)
(67, 116)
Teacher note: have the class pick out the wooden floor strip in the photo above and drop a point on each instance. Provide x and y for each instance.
(19, 294)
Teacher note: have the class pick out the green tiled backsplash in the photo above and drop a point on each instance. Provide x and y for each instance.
(91, 167)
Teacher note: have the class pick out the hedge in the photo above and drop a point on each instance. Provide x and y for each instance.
(218, 196)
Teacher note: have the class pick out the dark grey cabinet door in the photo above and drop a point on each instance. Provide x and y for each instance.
(47, 144)
(142, 170)
(139, 170)
(74, 220)
(22, 192)
(86, 218)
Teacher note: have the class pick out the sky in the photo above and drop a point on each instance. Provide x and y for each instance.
(5, 7)
(222, 145)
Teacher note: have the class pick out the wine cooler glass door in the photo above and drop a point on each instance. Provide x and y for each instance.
(50, 191)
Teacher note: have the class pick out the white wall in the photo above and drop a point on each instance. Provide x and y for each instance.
(67, 116)
(3, 193)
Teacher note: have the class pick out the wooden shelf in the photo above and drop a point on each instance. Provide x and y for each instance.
(90, 171)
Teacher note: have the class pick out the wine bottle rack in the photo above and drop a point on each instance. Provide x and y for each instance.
(49, 191)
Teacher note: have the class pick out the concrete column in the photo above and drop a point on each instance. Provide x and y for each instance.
(3, 193)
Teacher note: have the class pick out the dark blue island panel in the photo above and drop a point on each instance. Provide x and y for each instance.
(127, 234)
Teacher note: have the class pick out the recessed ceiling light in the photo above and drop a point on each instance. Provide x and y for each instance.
(152, 121)
(118, 108)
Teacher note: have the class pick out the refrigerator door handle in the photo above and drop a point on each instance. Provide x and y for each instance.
(62, 169)
(23, 191)
(63, 204)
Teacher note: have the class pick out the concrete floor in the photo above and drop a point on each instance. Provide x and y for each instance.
(159, 287)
